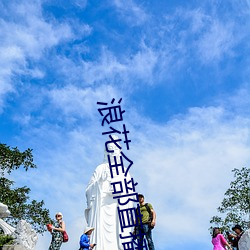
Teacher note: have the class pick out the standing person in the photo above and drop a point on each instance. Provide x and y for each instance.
(85, 238)
(239, 231)
(231, 240)
(218, 240)
(147, 225)
(56, 231)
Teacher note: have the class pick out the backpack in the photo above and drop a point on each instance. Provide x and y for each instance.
(150, 215)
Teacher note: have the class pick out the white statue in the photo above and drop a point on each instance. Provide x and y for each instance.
(4, 212)
(244, 242)
(101, 212)
(25, 235)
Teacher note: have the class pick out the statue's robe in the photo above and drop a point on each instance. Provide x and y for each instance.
(101, 212)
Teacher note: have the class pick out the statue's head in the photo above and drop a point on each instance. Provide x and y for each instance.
(112, 150)
(4, 212)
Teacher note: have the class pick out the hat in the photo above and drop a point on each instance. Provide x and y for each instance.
(59, 213)
(87, 229)
(237, 227)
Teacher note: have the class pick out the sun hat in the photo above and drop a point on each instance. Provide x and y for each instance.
(59, 213)
(87, 229)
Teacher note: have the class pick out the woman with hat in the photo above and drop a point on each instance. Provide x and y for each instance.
(56, 231)
(84, 240)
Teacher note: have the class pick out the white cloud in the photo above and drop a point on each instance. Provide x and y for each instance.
(105, 69)
(143, 63)
(80, 3)
(131, 12)
(123, 70)
(240, 101)
(198, 19)
(198, 33)
(76, 101)
(25, 35)
(217, 42)
(31, 33)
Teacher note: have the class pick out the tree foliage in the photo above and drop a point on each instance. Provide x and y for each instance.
(17, 199)
(13, 158)
(235, 207)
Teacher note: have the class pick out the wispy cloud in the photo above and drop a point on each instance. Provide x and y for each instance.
(121, 70)
(79, 102)
(131, 12)
(106, 68)
(81, 3)
(26, 37)
(217, 42)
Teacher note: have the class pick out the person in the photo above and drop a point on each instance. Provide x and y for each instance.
(236, 237)
(85, 239)
(146, 227)
(231, 240)
(218, 240)
(101, 212)
(56, 231)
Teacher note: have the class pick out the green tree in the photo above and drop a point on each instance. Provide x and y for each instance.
(17, 199)
(235, 207)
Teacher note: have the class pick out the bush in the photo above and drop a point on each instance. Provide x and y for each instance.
(6, 240)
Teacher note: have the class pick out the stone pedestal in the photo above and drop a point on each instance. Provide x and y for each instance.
(13, 247)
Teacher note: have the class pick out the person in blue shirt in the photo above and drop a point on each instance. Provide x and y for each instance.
(85, 239)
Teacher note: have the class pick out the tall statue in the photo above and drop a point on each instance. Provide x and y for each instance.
(101, 212)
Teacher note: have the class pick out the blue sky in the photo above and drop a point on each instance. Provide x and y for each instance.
(182, 69)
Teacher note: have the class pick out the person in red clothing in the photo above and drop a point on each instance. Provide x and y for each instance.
(218, 240)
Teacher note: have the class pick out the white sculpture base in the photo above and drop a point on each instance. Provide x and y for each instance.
(13, 247)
